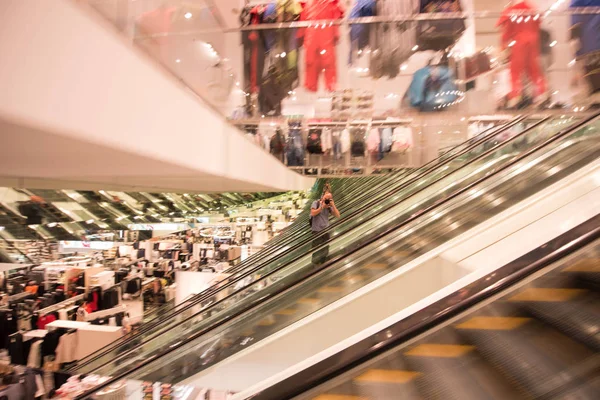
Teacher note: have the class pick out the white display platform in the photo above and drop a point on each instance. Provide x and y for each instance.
(191, 282)
(90, 338)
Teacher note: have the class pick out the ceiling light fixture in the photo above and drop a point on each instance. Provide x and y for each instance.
(188, 15)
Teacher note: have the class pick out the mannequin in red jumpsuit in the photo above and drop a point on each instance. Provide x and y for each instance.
(522, 35)
(319, 43)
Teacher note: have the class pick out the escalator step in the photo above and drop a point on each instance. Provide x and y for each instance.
(440, 350)
(547, 294)
(493, 323)
(286, 312)
(387, 376)
(579, 318)
(330, 289)
(587, 270)
(376, 266)
(354, 278)
(308, 301)
(532, 356)
(585, 265)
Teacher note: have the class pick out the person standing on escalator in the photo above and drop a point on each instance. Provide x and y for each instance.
(320, 212)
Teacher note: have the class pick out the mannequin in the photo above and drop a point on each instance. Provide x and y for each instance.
(521, 33)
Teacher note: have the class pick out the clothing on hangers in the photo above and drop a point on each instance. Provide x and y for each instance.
(522, 35)
(320, 43)
(392, 43)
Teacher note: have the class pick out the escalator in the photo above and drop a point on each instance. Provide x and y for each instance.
(529, 330)
(94, 206)
(14, 225)
(414, 223)
(351, 197)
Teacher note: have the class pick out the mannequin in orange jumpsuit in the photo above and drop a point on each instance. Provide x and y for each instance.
(522, 35)
(319, 43)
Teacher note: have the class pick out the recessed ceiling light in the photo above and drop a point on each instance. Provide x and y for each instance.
(188, 15)
(178, 61)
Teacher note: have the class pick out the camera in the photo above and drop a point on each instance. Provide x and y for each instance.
(327, 201)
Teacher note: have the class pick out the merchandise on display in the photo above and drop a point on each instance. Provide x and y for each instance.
(585, 30)
(522, 36)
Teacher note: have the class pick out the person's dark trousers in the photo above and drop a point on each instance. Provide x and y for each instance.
(320, 256)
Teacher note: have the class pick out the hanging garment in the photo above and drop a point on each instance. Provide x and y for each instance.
(392, 43)
(586, 29)
(254, 45)
(277, 144)
(522, 35)
(441, 34)
(313, 142)
(403, 139)
(360, 33)
(475, 65)
(336, 144)
(295, 146)
(432, 88)
(345, 141)
(34, 360)
(386, 139)
(357, 147)
(319, 43)
(326, 140)
(373, 140)
(271, 92)
(286, 45)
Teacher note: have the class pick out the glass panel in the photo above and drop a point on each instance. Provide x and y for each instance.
(527, 176)
(264, 284)
(550, 309)
(371, 195)
(357, 186)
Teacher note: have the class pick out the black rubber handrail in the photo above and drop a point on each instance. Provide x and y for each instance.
(328, 264)
(211, 291)
(438, 313)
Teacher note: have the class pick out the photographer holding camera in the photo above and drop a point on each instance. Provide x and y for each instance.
(319, 220)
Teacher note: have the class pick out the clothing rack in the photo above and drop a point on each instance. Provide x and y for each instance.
(105, 313)
(62, 304)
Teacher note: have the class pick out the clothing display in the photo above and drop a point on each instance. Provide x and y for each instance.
(432, 88)
(586, 30)
(402, 139)
(392, 43)
(277, 145)
(254, 49)
(439, 35)
(295, 145)
(320, 43)
(358, 141)
(313, 143)
(373, 140)
(360, 33)
(522, 36)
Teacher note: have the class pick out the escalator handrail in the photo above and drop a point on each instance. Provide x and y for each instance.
(12, 246)
(435, 314)
(325, 266)
(215, 288)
